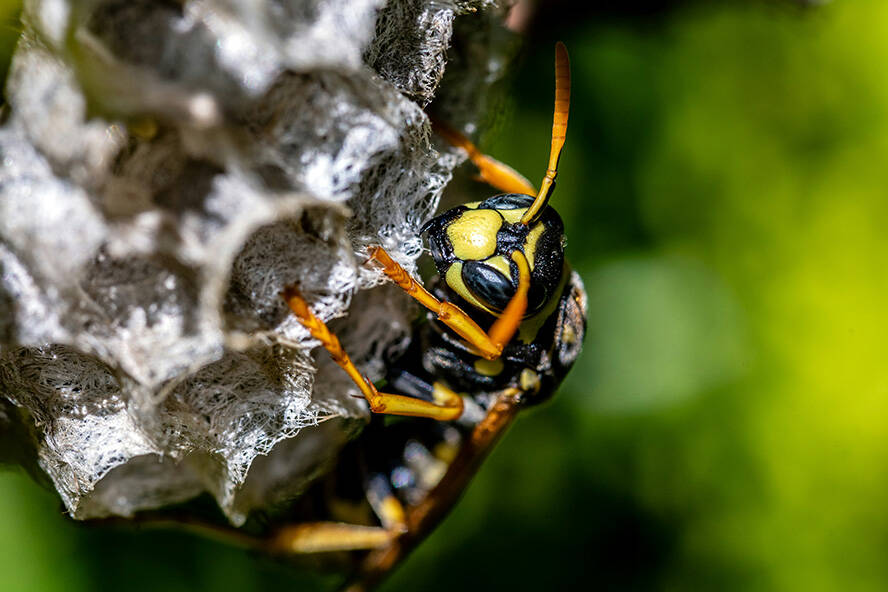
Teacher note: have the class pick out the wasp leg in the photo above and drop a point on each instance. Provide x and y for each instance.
(447, 405)
(385, 505)
(424, 516)
(491, 171)
(321, 537)
(488, 344)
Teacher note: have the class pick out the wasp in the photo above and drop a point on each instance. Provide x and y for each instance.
(506, 320)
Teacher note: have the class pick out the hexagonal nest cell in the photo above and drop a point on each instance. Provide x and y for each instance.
(167, 168)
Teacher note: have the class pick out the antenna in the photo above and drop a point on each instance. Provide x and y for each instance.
(559, 131)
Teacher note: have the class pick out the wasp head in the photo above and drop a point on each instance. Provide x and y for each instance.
(472, 246)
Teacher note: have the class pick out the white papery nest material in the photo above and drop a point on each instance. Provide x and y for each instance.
(165, 170)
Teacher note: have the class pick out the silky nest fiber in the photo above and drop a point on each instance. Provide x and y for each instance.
(166, 168)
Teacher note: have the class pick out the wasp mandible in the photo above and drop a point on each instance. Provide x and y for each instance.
(507, 320)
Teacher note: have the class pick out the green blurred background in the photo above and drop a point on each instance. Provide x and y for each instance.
(724, 188)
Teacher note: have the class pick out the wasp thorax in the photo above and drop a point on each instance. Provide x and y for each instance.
(472, 246)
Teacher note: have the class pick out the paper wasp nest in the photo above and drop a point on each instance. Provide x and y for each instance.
(166, 168)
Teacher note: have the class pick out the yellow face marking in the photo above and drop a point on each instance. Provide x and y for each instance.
(455, 281)
(473, 234)
(488, 367)
(500, 264)
(530, 244)
(472, 205)
(512, 216)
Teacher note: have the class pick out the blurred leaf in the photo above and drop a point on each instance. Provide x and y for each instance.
(660, 330)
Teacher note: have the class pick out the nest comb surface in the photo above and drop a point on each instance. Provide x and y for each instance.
(166, 168)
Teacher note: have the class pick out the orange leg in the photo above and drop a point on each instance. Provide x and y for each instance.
(424, 516)
(490, 170)
(488, 344)
(321, 537)
(448, 405)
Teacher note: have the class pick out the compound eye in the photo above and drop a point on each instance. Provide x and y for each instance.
(487, 284)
